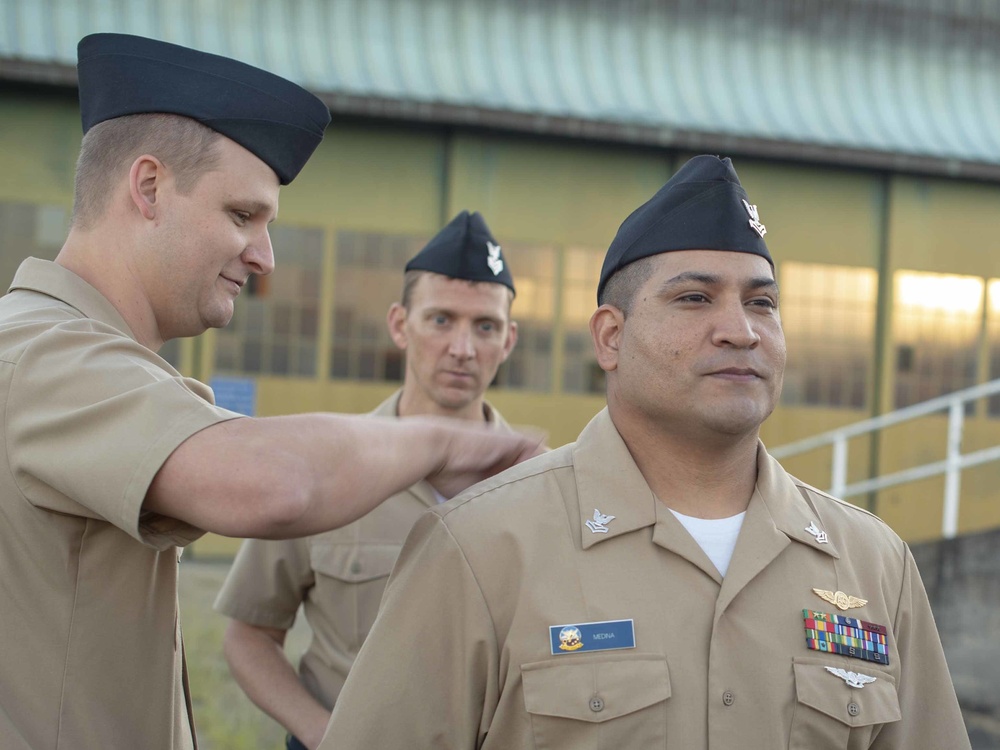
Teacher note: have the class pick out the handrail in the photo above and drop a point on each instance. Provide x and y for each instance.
(951, 466)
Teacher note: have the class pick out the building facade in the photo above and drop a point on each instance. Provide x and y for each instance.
(868, 134)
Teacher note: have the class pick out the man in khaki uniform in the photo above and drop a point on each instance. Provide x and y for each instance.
(113, 460)
(662, 582)
(453, 324)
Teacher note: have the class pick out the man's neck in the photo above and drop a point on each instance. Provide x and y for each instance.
(412, 405)
(703, 476)
(100, 264)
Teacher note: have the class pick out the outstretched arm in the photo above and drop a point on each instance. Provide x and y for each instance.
(283, 477)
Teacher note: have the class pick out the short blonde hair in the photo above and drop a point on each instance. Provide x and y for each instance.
(110, 147)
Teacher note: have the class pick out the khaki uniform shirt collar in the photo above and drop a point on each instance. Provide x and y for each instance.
(786, 507)
(50, 278)
(422, 490)
(609, 481)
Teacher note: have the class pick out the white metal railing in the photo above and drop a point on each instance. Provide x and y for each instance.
(951, 466)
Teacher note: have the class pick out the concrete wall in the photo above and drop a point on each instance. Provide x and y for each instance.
(962, 577)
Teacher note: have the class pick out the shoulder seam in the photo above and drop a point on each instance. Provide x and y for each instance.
(512, 480)
(844, 503)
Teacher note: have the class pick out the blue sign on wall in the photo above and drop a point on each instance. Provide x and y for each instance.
(236, 394)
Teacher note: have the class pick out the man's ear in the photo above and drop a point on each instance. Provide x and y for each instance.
(145, 182)
(607, 325)
(396, 321)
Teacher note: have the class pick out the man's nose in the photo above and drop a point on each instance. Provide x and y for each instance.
(259, 253)
(460, 345)
(734, 327)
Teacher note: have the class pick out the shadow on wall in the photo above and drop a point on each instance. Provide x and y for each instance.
(962, 577)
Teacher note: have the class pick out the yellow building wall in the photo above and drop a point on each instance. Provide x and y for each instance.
(816, 214)
(551, 192)
(944, 226)
(39, 142)
(398, 180)
(381, 178)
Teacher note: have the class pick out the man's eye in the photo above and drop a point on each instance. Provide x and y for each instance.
(486, 327)
(695, 297)
(765, 302)
(242, 217)
(440, 320)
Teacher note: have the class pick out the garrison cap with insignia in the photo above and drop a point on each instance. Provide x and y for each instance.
(464, 249)
(276, 120)
(702, 207)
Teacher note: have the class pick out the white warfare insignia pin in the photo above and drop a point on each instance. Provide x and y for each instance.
(755, 224)
(821, 537)
(493, 259)
(853, 679)
(599, 523)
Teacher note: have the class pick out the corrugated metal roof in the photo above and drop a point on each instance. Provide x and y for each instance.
(915, 80)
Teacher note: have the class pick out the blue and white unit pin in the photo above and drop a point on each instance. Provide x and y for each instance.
(591, 636)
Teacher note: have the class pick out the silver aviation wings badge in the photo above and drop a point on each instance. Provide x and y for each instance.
(598, 524)
(853, 679)
(755, 224)
(493, 259)
(821, 537)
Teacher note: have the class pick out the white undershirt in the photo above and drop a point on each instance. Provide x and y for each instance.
(716, 536)
(439, 497)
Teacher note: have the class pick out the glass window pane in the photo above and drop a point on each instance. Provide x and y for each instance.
(369, 279)
(276, 316)
(27, 229)
(529, 366)
(581, 373)
(828, 315)
(935, 327)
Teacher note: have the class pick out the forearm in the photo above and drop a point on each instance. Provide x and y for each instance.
(283, 477)
(258, 663)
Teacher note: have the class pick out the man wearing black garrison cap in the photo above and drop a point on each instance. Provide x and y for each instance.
(453, 325)
(114, 461)
(662, 582)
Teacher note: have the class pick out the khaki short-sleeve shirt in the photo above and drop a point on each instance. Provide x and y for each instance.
(88, 580)
(476, 645)
(338, 577)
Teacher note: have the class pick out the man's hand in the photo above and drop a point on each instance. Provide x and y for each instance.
(473, 453)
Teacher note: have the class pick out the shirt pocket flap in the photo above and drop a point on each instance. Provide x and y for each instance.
(595, 689)
(875, 703)
(354, 562)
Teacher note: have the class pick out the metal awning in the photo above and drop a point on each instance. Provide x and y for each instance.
(905, 85)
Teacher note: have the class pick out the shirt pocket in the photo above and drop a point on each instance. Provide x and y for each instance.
(349, 581)
(598, 702)
(829, 713)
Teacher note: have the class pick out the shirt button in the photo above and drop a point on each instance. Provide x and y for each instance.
(355, 567)
(728, 698)
(596, 704)
(853, 709)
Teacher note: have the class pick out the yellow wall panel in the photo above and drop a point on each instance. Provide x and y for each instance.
(381, 178)
(816, 215)
(789, 424)
(551, 192)
(944, 226)
(39, 143)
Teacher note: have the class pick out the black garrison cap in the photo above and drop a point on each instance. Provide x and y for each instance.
(278, 121)
(702, 207)
(464, 249)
